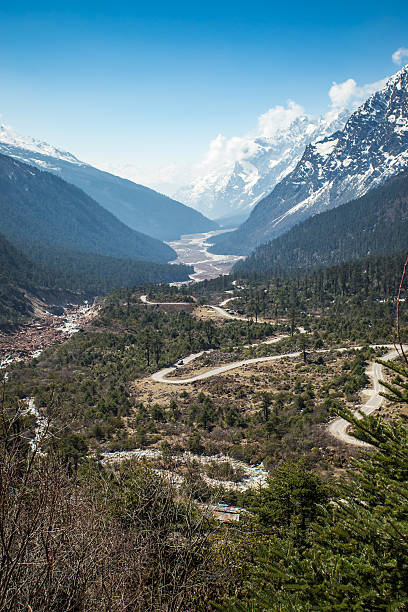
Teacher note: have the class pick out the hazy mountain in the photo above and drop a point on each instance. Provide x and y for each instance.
(141, 208)
(265, 162)
(372, 147)
(36, 206)
(374, 224)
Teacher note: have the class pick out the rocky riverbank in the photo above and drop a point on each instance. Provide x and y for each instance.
(46, 329)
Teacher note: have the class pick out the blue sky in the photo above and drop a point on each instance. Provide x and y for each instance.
(151, 84)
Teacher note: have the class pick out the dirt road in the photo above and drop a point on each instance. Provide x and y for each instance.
(338, 427)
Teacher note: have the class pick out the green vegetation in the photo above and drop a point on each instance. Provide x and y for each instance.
(88, 378)
(165, 293)
(89, 387)
(343, 549)
(224, 471)
(97, 538)
(53, 273)
(107, 538)
(99, 274)
(354, 301)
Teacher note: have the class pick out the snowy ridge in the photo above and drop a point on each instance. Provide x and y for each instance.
(265, 162)
(11, 140)
(372, 147)
(139, 207)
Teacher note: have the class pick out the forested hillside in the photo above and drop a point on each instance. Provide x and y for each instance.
(99, 273)
(374, 224)
(38, 206)
(53, 269)
(367, 281)
(16, 272)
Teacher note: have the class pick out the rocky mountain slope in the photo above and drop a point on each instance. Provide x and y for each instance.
(141, 208)
(36, 206)
(265, 161)
(372, 147)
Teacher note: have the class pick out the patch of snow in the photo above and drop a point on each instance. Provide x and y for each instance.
(9, 137)
(326, 148)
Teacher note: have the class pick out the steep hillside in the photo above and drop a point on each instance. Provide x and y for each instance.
(99, 274)
(374, 224)
(141, 208)
(38, 206)
(53, 272)
(17, 275)
(372, 147)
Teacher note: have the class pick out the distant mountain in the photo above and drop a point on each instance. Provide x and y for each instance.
(38, 206)
(375, 224)
(232, 221)
(139, 207)
(265, 162)
(372, 147)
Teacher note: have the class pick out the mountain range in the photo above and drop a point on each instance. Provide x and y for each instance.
(139, 207)
(372, 146)
(264, 162)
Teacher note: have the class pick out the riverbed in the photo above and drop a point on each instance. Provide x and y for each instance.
(31, 339)
(192, 249)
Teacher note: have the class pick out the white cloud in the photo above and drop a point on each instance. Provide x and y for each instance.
(350, 95)
(340, 93)
(399, 55)
(279, 118)
(224, 152)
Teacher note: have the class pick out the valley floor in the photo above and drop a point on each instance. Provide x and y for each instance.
(192, 249)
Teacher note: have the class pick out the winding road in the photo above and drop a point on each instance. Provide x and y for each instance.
(338, 427)
(161, 375)
(218, 309)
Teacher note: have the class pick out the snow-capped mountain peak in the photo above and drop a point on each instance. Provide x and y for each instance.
(13, 140)
(372, 147)
(261, 163)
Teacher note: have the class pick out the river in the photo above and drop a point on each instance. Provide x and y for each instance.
(192, 249)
